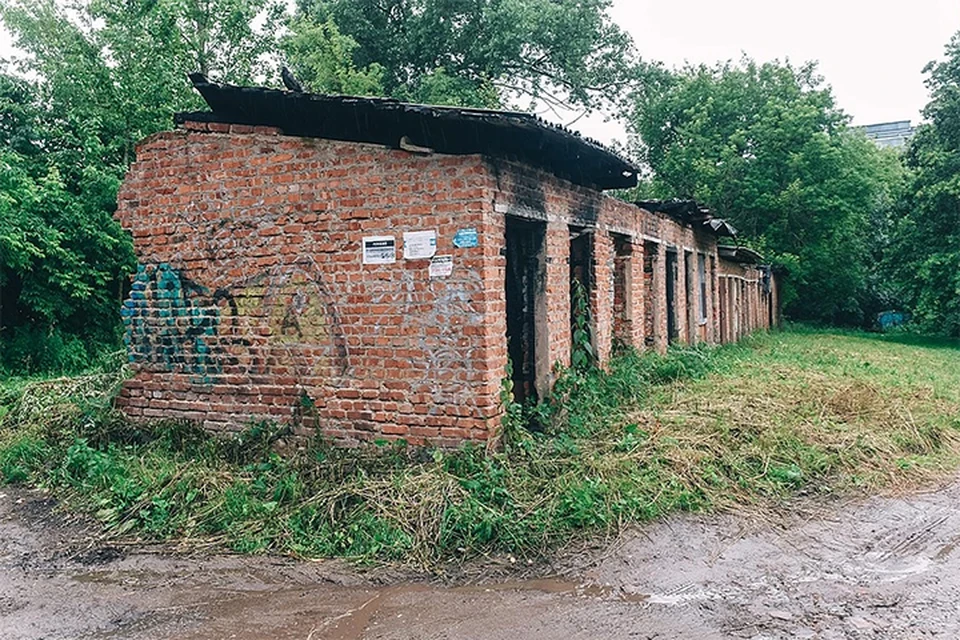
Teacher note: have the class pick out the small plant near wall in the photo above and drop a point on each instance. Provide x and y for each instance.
(583, 356)
(513, 422)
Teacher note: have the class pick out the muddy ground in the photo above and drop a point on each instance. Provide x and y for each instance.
(881, 568)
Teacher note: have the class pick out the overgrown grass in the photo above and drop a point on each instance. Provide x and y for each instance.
(798, 411)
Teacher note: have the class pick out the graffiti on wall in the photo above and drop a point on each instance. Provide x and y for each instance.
(439, 319)
(172, 323)
(305, 325)
(281, 316)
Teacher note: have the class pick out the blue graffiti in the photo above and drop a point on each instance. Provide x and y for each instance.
(171, 324)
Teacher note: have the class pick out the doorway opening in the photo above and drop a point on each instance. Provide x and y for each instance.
(526, 307)
(649, 294)
(673, 267)
(582, 340)
(622, 291)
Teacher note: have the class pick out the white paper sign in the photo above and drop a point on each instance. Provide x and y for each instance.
(379, 250)
(418, 245)
(441, 266)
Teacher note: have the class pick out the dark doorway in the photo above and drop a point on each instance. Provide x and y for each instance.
(622, 291)
(525, 282)
(724, 313)
(650, 250)
(581, 286)
(673, 275)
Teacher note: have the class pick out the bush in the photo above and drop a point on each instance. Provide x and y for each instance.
(694, 429)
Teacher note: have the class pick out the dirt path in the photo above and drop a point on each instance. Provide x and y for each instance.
(883, 568)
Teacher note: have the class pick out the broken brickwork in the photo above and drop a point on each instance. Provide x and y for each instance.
(372, 292)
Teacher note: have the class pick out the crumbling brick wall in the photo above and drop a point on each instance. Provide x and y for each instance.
(526, 192)
(251, 301)
(749, 300)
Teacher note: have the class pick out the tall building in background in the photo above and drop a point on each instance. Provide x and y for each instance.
(890, 134)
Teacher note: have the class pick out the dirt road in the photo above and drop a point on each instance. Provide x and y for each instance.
(882, 568)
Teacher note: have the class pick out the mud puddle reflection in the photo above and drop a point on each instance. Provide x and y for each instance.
(338, 613)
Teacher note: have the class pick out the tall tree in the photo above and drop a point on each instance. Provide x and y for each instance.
(766, 146)
(925, 253)
(323, 58)
(103, 74)
(62, 256)
(485, 52)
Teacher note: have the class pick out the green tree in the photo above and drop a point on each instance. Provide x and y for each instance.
(766, 146)
(483, 53)
(62, 257)
(925, 252)
(103, 75)
(323, 58)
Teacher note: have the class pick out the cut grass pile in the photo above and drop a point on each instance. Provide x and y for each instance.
(796, 411)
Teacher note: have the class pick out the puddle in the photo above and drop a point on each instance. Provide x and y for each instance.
(353, 624)
(557, 586)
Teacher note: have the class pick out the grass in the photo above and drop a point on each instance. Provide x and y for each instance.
(801, 411)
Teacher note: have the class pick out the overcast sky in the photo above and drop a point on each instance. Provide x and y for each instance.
(871, 52)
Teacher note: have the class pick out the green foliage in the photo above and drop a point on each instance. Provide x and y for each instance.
(482, 53)
(322, 58)
(925, 253)
(765, 146)
(19, 457)
(62, 257)
(694, 429)
(103, 74)
(583, 357)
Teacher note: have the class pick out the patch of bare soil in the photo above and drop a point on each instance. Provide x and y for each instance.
(880, 568)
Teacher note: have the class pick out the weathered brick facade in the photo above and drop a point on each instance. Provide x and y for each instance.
(749, 299)
(253, 302)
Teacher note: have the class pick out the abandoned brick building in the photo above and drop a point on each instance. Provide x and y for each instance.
(367, 267)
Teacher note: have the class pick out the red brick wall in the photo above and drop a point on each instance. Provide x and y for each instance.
(251, 301)
(746, 304)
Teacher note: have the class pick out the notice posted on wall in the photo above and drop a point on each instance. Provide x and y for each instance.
(466, 238)
(419, 245)
(441, 266)
(379, 250)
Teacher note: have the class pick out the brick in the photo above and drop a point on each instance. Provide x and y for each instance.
(252, 301)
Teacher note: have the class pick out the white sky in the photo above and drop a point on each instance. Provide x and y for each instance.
(871, 52)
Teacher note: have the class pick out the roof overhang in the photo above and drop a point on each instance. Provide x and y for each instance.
(692, 213)
(447, 130)
(743, 255)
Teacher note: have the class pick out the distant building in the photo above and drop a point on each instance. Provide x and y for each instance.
(890, 134)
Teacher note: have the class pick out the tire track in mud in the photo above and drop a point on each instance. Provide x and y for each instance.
(877, 568)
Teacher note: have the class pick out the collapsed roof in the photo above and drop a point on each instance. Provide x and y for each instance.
(449, 130)
(690, 212)
(743, 255)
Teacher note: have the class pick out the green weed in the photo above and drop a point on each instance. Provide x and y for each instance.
(697, 428)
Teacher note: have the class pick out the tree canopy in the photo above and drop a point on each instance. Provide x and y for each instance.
(766, 146)
(483, 53)
(924, 256)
